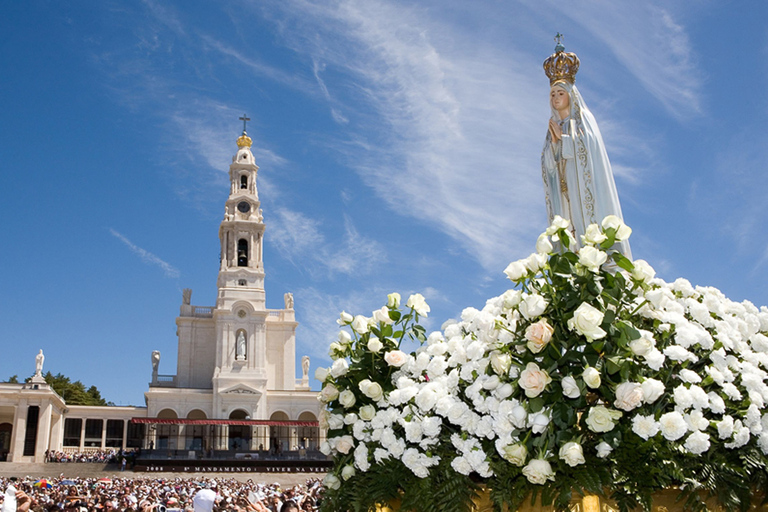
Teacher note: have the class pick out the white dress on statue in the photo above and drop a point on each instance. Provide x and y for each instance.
(578, 180)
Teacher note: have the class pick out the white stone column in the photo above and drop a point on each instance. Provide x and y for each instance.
(103, 433)
(125, 433)
(19, 430)
(82, 433)
(43, 431)
(57, 433)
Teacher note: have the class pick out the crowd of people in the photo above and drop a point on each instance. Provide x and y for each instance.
(103, 456)
(158, 495)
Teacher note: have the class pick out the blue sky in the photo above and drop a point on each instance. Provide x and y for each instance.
(398, 145)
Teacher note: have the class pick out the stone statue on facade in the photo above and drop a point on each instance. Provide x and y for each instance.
(186, 296)
(155, 363)
(240, 346)
(288, 300)
(305, 368)
(39, 360)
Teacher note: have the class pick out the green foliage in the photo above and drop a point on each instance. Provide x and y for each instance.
(13, 379)
(74, 393)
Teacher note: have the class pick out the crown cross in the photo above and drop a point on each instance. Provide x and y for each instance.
(561, 65)
(244, 119)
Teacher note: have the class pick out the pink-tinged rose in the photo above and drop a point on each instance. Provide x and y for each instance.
(533, 380)
(538, 335)
(396, 358)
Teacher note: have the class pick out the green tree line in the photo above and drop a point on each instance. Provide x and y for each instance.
(74, 393)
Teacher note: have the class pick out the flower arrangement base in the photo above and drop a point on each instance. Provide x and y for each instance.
(663, 501)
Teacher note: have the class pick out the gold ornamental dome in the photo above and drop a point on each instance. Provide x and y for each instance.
(244, 141)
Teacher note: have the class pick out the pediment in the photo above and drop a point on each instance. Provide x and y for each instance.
(240, 389)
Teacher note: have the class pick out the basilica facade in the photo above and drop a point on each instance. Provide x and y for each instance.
(235, 389)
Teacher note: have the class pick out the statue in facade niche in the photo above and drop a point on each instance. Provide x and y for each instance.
(305, 367)
(240, 346)
(578, 180)
(39, 360)
(288, 300)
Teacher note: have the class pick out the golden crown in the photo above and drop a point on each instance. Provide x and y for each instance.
(244, 141)
(561, 65)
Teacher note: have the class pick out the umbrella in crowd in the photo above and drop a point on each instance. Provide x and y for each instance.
(43, 483)
(67, 482)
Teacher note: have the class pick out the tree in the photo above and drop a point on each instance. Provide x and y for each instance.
(13, 379)
(74, 393)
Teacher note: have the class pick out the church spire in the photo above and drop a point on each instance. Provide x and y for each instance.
(241, 274)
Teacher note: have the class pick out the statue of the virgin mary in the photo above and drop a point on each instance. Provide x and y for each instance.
(578, 180)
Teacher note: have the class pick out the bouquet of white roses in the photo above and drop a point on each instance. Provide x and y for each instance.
(590, 376)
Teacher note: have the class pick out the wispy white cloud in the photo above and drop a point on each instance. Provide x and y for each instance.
(649, 42)
(317, 67)
(299, 239)
(147, 257)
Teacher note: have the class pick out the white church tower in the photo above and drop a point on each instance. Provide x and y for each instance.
(236, 360)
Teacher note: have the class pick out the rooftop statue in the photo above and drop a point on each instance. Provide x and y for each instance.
(578, 180)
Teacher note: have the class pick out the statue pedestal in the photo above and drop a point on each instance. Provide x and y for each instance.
(38, 379)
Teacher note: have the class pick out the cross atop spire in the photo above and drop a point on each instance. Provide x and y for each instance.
(244, 119)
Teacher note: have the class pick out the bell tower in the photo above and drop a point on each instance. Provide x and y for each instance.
(241, 273)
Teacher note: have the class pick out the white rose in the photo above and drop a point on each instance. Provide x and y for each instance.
(500, 362)
(538, 471)
(360, 324)
(371, 389)
(396, 358)
(645, 426)
(592, 258)
(504, 391)
(673, 425)
(603, 449)
(382, 315)
(532, 306)
(586, 321)
(335, 350)
(344, 338)
(374, 344)
(328, 393)
(519, 416)
(321, 374)
(533, 380)
(516, 270)
(593, 235)
(538, 335)
(697, 443)
(613, 222)
(344, 444)
(335, 421)
(512, 298)
(348, 472)
(393, 300)
(367, 412)
(601, 419)
(515, 453)
(557, 223)
(543, 245)
(344, 318)
(535, 262)
(347, 399)
(418, 304)
(652, 390)
(340, 367)
(538, 422)
(591, 377)
(643, 271)
(629, 395)
(331, 481)
(643, 345)
(572, 453)
(570, 387)
(350, 418)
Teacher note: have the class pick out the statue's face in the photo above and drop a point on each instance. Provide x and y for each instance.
(559, 99)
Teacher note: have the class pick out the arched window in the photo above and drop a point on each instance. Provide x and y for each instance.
(243, 181)
(239, 435)
(242, 252)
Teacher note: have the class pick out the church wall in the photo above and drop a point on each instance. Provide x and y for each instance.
(197, 352)
(281, 355)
